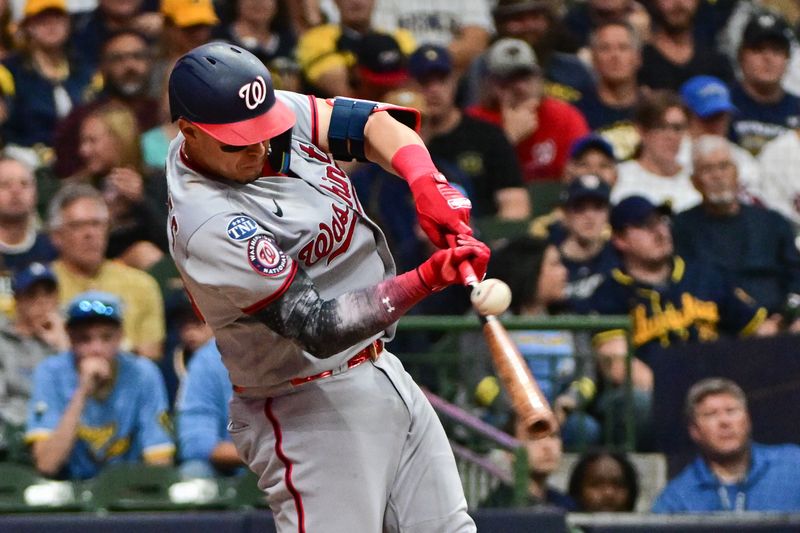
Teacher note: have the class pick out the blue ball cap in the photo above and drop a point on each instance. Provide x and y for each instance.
(94, 305)
(429, 59)
(585, 186)
(634, 211)
(706, 96)
(24, 279)
(592, 141)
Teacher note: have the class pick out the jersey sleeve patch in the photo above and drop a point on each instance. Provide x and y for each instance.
(266, 258)
(241, 227)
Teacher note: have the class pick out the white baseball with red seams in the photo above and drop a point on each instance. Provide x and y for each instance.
(490, 297)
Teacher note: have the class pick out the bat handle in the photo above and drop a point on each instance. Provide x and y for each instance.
(468, 276)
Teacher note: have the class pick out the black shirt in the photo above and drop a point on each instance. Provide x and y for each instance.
(658, 72)
(481, 151)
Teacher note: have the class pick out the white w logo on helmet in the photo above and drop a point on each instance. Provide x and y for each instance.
(254, 93)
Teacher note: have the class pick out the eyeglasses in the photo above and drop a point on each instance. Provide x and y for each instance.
(721, 166)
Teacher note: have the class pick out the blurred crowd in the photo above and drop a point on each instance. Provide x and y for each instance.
(639, 153)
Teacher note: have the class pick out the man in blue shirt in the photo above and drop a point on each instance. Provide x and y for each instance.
(93, 404)
(732, 473)
(206, 448)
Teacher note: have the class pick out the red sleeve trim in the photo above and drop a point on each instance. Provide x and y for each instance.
(312, 100)
(261, 304)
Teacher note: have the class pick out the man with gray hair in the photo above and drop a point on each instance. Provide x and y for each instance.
(732, 473)
(79, 225)
(754, 246)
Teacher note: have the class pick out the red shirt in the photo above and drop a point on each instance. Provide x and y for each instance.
(543, 154)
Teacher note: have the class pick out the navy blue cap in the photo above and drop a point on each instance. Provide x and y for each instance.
(430, 59)
(94, 305)
(24, 279)
(585, 186)
(634, 211)
(591, 141)
(706, 96)
(764, 27)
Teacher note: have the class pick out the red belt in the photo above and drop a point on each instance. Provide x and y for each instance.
(370, 353)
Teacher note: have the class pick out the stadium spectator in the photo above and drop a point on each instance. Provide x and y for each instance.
(616, 54)
(36, 331)
(674, 53)
(93, 28)
(604, 482)
(125, 65)
(381, 67)
(754, 246)
(656, 172)
(537, 23)
(111, 156)
(732, 473)
(586, 251)
(94, 404)
(584, 18)
(79, 224)
(187, 24)
(21, 239)
(589, 155)
(541, 128)
(764, 108)
(256, 28)
(544, 458)
(41, 82)
(480, 150)
(205, 447)
(327, 53)
(708, 102)
(778, 161)
(463, 27)
(669, 299)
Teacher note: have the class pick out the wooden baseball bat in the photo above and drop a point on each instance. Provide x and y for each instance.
(527, 399)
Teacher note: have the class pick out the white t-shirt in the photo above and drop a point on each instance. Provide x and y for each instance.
(432, 21)
(677, 190)
(780, 162)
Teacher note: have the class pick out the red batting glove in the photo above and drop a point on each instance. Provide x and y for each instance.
(441, 269)
(441, 209)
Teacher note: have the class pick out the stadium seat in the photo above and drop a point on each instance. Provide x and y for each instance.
(22, 489)
(248, 495)
(139, 487)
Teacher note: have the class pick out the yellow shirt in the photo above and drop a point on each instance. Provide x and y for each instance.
(317, 52)
(143, 307)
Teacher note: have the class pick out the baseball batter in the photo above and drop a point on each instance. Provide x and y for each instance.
(300, 289)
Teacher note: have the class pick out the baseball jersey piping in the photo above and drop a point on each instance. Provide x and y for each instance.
(312, 101)
(287, 463)
(261, 304)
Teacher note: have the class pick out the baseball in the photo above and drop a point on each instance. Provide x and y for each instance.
(490, 297)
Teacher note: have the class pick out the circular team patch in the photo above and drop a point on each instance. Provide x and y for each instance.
(241, 228)
(265, 257)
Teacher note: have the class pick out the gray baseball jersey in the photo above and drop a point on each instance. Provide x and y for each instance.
(354, 449)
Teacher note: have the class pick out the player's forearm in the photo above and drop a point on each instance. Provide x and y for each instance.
(50, 454)
(384, 136)
(326, 327)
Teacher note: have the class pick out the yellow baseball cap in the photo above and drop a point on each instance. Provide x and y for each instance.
(186, 13)
(34, 7)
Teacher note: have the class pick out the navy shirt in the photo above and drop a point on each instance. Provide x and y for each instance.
(754, 123)
(755, 248)
(586, 276)
(696, 303)
(615, 124)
